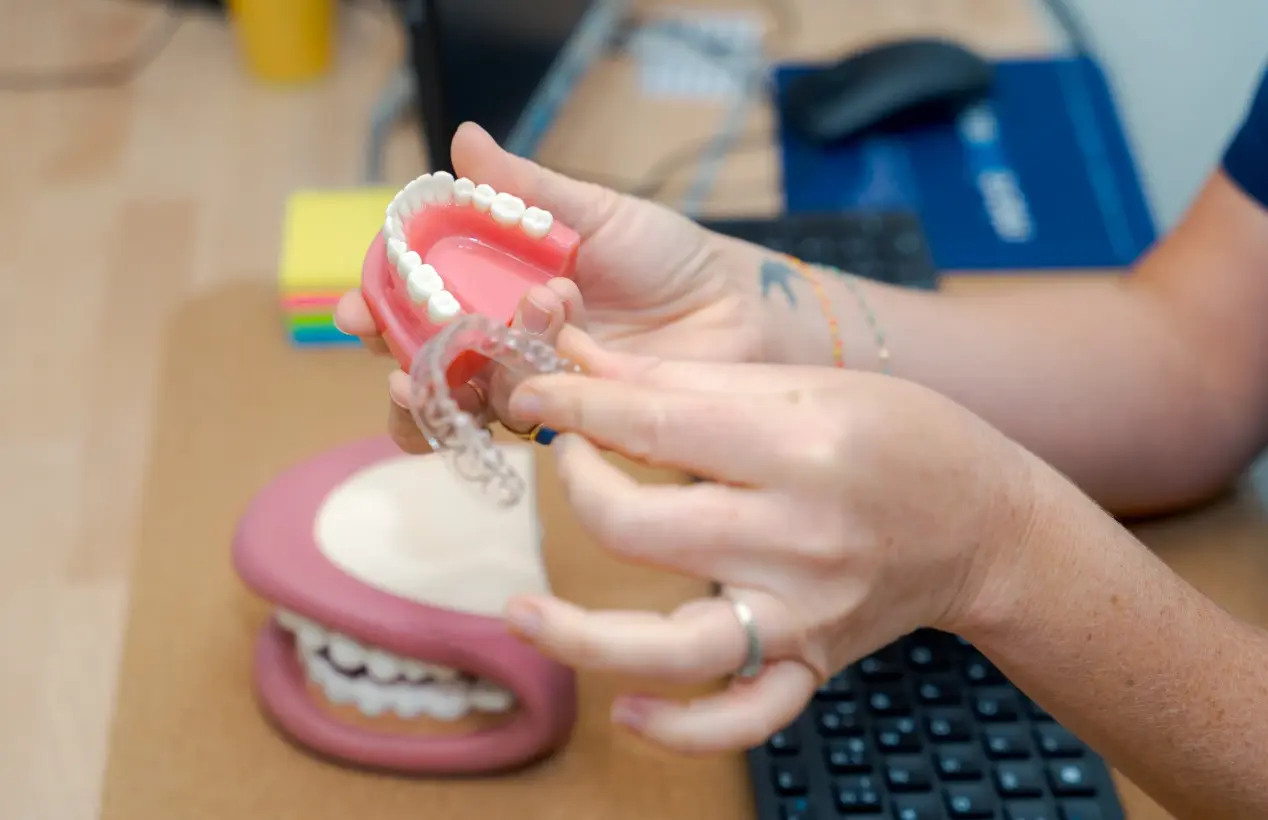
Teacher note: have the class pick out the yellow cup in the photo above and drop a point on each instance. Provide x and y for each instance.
(285, 40)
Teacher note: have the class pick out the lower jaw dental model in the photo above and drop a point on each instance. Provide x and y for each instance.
(388, 577)
(386, 648)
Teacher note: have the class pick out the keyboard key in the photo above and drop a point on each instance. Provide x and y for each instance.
(927, 654)
(789, 778)
(918, 807)
(796, 809)
(1056, 741)
(881, 666)
(939, 691)
(898, 735)
(1070, 779)
(997, 706)
(970, 802)
(785, 742)
(1005, 743)
(948, 726)
(839, 719)
(959, 762)
(1081, 810)
(908, 774)
(857, 795)
(889, 702)
(1019, 780)
(1029, 810)
(850, 756)
(908, 243)
(840, 687)
(981, 672)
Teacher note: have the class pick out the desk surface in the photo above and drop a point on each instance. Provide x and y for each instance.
(174, 186)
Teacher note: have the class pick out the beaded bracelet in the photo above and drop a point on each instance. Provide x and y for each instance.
(811, 275)
(882, 348)
(834, 330)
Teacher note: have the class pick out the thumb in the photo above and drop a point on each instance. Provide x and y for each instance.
(582, 206)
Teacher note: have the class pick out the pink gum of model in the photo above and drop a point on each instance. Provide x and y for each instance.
(488, 267)
(276, 556)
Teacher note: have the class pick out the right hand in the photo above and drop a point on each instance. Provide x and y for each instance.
(648, 281)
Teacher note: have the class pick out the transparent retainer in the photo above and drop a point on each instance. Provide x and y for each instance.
(453, 432)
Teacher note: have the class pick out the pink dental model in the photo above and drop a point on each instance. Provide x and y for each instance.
(450, 248)
(387, 574)
(386, 648)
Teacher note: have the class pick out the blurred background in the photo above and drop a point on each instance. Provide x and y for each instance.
(154, 155)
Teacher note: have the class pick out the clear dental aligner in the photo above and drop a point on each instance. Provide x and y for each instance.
(425, 285)
(451, 430)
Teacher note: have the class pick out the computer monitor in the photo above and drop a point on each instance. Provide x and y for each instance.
(507, 65)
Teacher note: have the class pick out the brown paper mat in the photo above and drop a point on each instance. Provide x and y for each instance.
(238, 405)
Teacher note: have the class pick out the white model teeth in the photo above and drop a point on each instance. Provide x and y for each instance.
(507, 210)
(442, 184)
(483, 196)
(393, 228)
(442, 308)
(463, 190)
(408, 263)
(423, 283)
(396, 248)
(412, 196)
(536, 223)
(376, 682)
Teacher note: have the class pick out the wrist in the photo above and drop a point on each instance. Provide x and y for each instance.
(1021, 556)
(793, 322)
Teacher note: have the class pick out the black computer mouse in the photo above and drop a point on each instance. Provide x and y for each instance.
(892, 85)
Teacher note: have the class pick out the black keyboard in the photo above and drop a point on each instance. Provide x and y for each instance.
(883, 246)
(927, 728)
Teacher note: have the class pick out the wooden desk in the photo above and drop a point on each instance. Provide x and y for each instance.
(172, 188)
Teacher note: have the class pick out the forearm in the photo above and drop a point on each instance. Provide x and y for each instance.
(1088, 373)
(1170, 688)
(1149, 390)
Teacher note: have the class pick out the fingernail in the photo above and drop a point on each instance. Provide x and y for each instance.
(525, 404)
(525, 618)
(536, 318)
(397, 401)
(631, 712)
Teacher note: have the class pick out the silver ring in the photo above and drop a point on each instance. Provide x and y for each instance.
(753, 660)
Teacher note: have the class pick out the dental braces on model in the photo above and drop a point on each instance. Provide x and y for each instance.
(452, 431)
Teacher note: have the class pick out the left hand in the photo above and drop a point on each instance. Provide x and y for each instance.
(846, 510)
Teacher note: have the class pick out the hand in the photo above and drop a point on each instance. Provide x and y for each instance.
(648, 279)
(847, 510)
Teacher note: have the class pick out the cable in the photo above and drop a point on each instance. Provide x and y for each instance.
(709, 151)
(663, 171)
(110, 74)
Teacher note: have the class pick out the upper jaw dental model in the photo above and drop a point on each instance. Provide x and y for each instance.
(386, 648)
(449, 248)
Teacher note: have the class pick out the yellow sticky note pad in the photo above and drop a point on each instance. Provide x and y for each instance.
(326, 235)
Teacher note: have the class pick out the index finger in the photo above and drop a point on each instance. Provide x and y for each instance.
(709, 376)
(730, 438)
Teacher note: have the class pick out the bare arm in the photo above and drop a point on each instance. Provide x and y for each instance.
(1149, 390)
(1170, 688)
